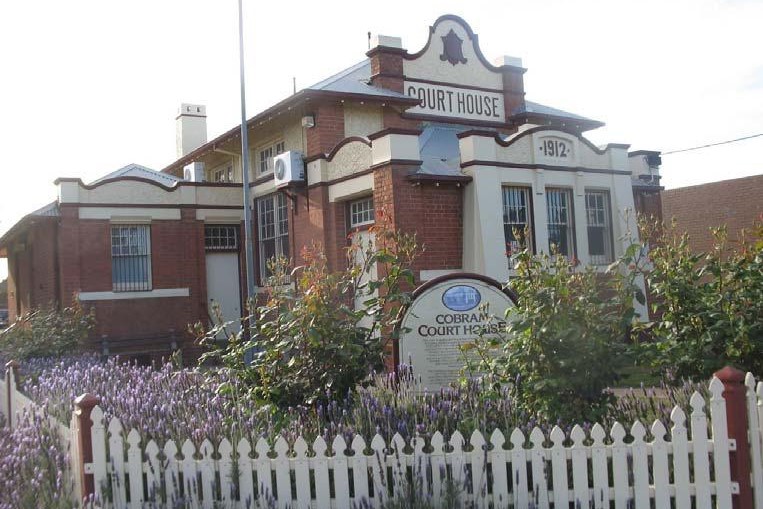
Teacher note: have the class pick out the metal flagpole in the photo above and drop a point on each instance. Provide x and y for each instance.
(245, 164)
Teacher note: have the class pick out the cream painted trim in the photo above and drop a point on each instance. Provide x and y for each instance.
(351, 188)
(129, 214)
(152, 294)
(219, 216)
(426, 275)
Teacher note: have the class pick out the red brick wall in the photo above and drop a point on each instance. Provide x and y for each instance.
(32, 272)
(328, 130)
(434, 213)
(308, 220)
(736, 203)
(177, 261)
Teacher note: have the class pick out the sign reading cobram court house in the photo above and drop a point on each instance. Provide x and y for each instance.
(446, 313)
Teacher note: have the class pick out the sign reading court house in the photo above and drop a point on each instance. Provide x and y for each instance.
(446, 313)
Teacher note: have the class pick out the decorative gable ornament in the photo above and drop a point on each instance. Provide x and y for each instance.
(452, 48)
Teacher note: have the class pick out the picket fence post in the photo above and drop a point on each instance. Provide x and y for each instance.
(735, 394)
(83, 445)
(11, 377)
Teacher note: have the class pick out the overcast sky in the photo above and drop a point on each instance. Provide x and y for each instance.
(88, 86)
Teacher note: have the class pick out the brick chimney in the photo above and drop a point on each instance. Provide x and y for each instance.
(386, 56)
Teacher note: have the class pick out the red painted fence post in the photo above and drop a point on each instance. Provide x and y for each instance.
(734, 392)
(83, 405)
(11, 379)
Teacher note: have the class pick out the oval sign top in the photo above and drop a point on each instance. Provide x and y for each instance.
(461, 298)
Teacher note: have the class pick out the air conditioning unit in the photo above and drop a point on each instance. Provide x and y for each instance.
(288, 168)
(194, 172)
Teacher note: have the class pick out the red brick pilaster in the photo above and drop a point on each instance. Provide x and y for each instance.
(83, 406)
(69, 254)
(734, 391)
(328, 130)
(513, 89)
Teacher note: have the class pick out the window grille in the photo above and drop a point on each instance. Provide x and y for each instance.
(273, 228)
(131, 258)
(221, 237)
(599, 222)
(517, 219)
(561, 230)
(362, 212)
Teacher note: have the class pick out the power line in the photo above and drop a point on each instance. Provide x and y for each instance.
(712, 144)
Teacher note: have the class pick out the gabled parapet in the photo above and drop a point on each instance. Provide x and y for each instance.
(542, 147)
(134, 195)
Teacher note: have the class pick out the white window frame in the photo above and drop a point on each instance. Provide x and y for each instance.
(511, 193)
(223, 175)
(134, 241)
(560, 213)
(272, 225)
(361, 212)
(266, 154)
(599, 215)
(221, 237)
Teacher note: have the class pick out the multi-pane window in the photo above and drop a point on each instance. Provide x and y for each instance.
(561, 232)
(220, 237)
(273, 229)
(268, 153)
(223, 174)
(361, 212)
(517, 217)
(599, 222)
(131, 257)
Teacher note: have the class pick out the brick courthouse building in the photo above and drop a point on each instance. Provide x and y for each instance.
(441, 139)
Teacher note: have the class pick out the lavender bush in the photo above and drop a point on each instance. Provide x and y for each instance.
(32, 465)
(164, 403)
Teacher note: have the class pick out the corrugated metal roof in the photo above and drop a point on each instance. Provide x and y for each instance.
(354, 80)
(540, 109)
(440, 152)
(49, 210)
(136, 170)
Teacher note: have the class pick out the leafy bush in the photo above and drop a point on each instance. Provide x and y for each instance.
(47, 332)
(564, 341)
(710, 305)
(309, 340)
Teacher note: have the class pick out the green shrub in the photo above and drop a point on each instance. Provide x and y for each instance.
(564, 341)
(308, 340)
(710, 305)
(47, 332)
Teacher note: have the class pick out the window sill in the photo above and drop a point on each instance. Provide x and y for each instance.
(151, 294)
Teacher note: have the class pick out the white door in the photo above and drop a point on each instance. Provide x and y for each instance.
(223, 286)
(364, 237)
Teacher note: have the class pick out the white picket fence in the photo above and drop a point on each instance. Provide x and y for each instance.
(684, 467)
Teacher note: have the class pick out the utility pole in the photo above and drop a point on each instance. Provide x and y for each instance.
(250, 288)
